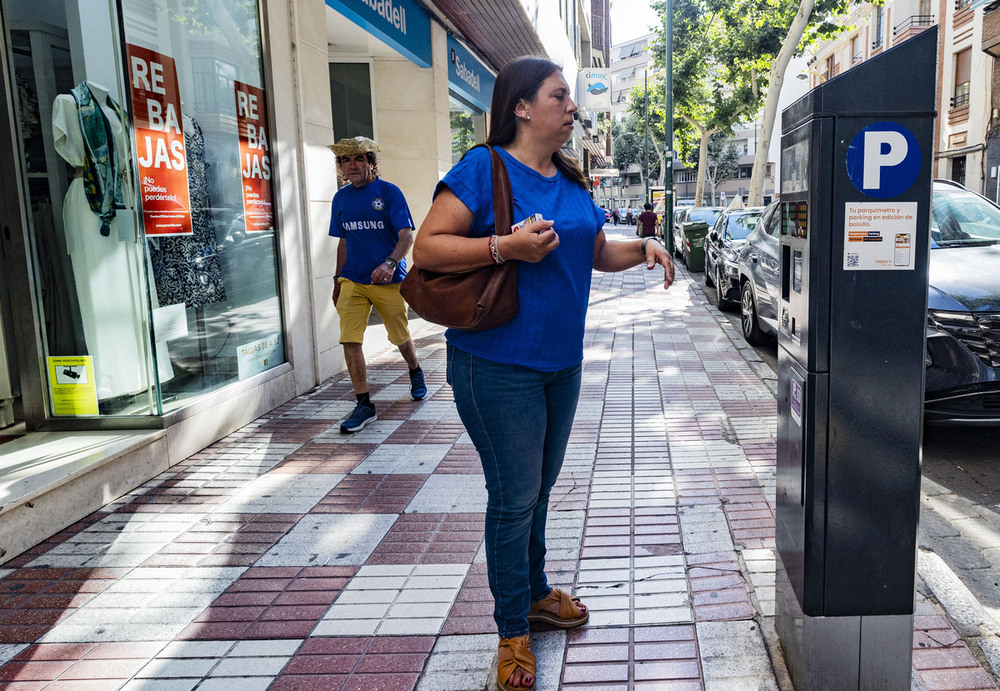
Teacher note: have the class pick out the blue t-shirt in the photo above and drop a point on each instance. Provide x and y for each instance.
(373, 215)
(547, 333)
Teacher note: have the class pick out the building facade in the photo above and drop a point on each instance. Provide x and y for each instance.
(964, 106)
(166, 267)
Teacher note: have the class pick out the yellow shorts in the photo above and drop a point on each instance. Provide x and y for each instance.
(355, 307)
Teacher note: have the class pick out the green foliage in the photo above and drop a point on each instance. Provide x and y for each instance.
(463, 134)
(629, 146)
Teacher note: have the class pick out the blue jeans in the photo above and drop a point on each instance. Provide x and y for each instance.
(520, 420)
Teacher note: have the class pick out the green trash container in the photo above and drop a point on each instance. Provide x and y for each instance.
(693, 244)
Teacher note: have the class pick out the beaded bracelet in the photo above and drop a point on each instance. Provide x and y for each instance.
(495, 250)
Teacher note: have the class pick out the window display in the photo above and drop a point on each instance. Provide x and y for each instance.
(149, 174)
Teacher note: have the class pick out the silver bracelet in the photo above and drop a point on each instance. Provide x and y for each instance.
(642, 243)
(495, 250)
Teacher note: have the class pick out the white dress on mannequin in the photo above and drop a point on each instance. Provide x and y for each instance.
(106, 270)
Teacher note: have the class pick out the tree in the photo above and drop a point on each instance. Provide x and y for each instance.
(772, 32)
(630, 147)
(639, 99)
(758, 40)
(709, 95)
(723, 161)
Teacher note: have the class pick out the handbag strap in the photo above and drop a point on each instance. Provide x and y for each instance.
(503, 199)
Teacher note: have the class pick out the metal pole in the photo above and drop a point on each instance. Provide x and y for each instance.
(668, 127)
(645, 135)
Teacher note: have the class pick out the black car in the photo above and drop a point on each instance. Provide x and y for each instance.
(721, 247)
(963, 308)
(962, 374)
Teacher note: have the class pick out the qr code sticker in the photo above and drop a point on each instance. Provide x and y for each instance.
(852, 260)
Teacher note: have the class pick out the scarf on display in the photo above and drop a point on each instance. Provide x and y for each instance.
(101, 181)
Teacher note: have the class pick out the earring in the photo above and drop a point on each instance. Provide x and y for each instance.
(527, 116)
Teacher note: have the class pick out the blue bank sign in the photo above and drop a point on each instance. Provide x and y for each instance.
(468, 77)
(402, 24)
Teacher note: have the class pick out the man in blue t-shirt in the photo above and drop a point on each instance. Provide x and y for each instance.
(373, 221)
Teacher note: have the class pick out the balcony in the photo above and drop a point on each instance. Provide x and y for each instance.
(911, 26)
(991, 31)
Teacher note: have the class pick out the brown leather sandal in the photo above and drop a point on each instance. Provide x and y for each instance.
(514, 653)
(569, 615)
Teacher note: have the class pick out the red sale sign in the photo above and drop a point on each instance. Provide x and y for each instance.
(255, 158)
(156, 107)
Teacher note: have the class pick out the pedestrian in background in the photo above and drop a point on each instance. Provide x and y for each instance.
(628, 215)
(646, 223)
(615, 216)
(516, 386)
(373, 221)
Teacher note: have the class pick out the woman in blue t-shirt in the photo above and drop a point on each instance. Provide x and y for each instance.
(516, 386)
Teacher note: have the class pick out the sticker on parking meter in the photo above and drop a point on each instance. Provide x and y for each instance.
(883, 160)
(878, 236)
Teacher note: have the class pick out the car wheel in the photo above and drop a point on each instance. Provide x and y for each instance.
(748, 317)
(720, 300)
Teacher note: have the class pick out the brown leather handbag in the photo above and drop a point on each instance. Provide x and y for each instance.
(472, 300)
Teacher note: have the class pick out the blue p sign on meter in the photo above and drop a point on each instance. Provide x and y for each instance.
(883, 160)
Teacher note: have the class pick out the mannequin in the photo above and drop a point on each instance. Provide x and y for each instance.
(106, 266)
(187, 267)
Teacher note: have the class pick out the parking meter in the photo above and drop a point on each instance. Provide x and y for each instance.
(856, 162)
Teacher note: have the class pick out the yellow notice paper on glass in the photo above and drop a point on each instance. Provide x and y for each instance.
(71, 385)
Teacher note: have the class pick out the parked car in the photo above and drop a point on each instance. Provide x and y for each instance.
(962, 376)
(757, 278)
(722, 245)
(708, 214)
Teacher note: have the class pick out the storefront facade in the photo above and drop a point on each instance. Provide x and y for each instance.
(166, 265)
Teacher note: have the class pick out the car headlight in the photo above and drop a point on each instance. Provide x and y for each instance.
(971, 330)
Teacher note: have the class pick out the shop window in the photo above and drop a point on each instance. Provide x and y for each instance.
(156, 265)
(468, 128)
(351, 97)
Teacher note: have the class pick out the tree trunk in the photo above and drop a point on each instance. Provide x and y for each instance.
(791, 42)
(699, 189)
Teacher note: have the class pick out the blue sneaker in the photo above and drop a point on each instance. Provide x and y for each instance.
(418, 388)
(362, 415)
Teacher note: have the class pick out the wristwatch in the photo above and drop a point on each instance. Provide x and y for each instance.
(392, 263)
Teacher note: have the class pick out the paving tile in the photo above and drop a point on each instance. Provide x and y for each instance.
(278, 492)
(270, 603)
(170, 599)
(371, 494)
(450, 494)
(394, 601)
(329, 540)
(427, 538)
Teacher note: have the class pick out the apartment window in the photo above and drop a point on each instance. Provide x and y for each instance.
(879, 39)
(857, 50)
(963, 73)
(925, 8)
(829, 66)
(962, 4)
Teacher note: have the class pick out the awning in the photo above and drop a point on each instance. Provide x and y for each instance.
(596, 152)
(499, 29)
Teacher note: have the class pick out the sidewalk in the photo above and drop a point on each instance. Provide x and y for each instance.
(289, 556)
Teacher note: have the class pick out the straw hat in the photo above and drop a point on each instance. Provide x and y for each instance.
(350, 146)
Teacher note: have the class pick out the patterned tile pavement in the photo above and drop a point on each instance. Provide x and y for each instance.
(288, 556)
